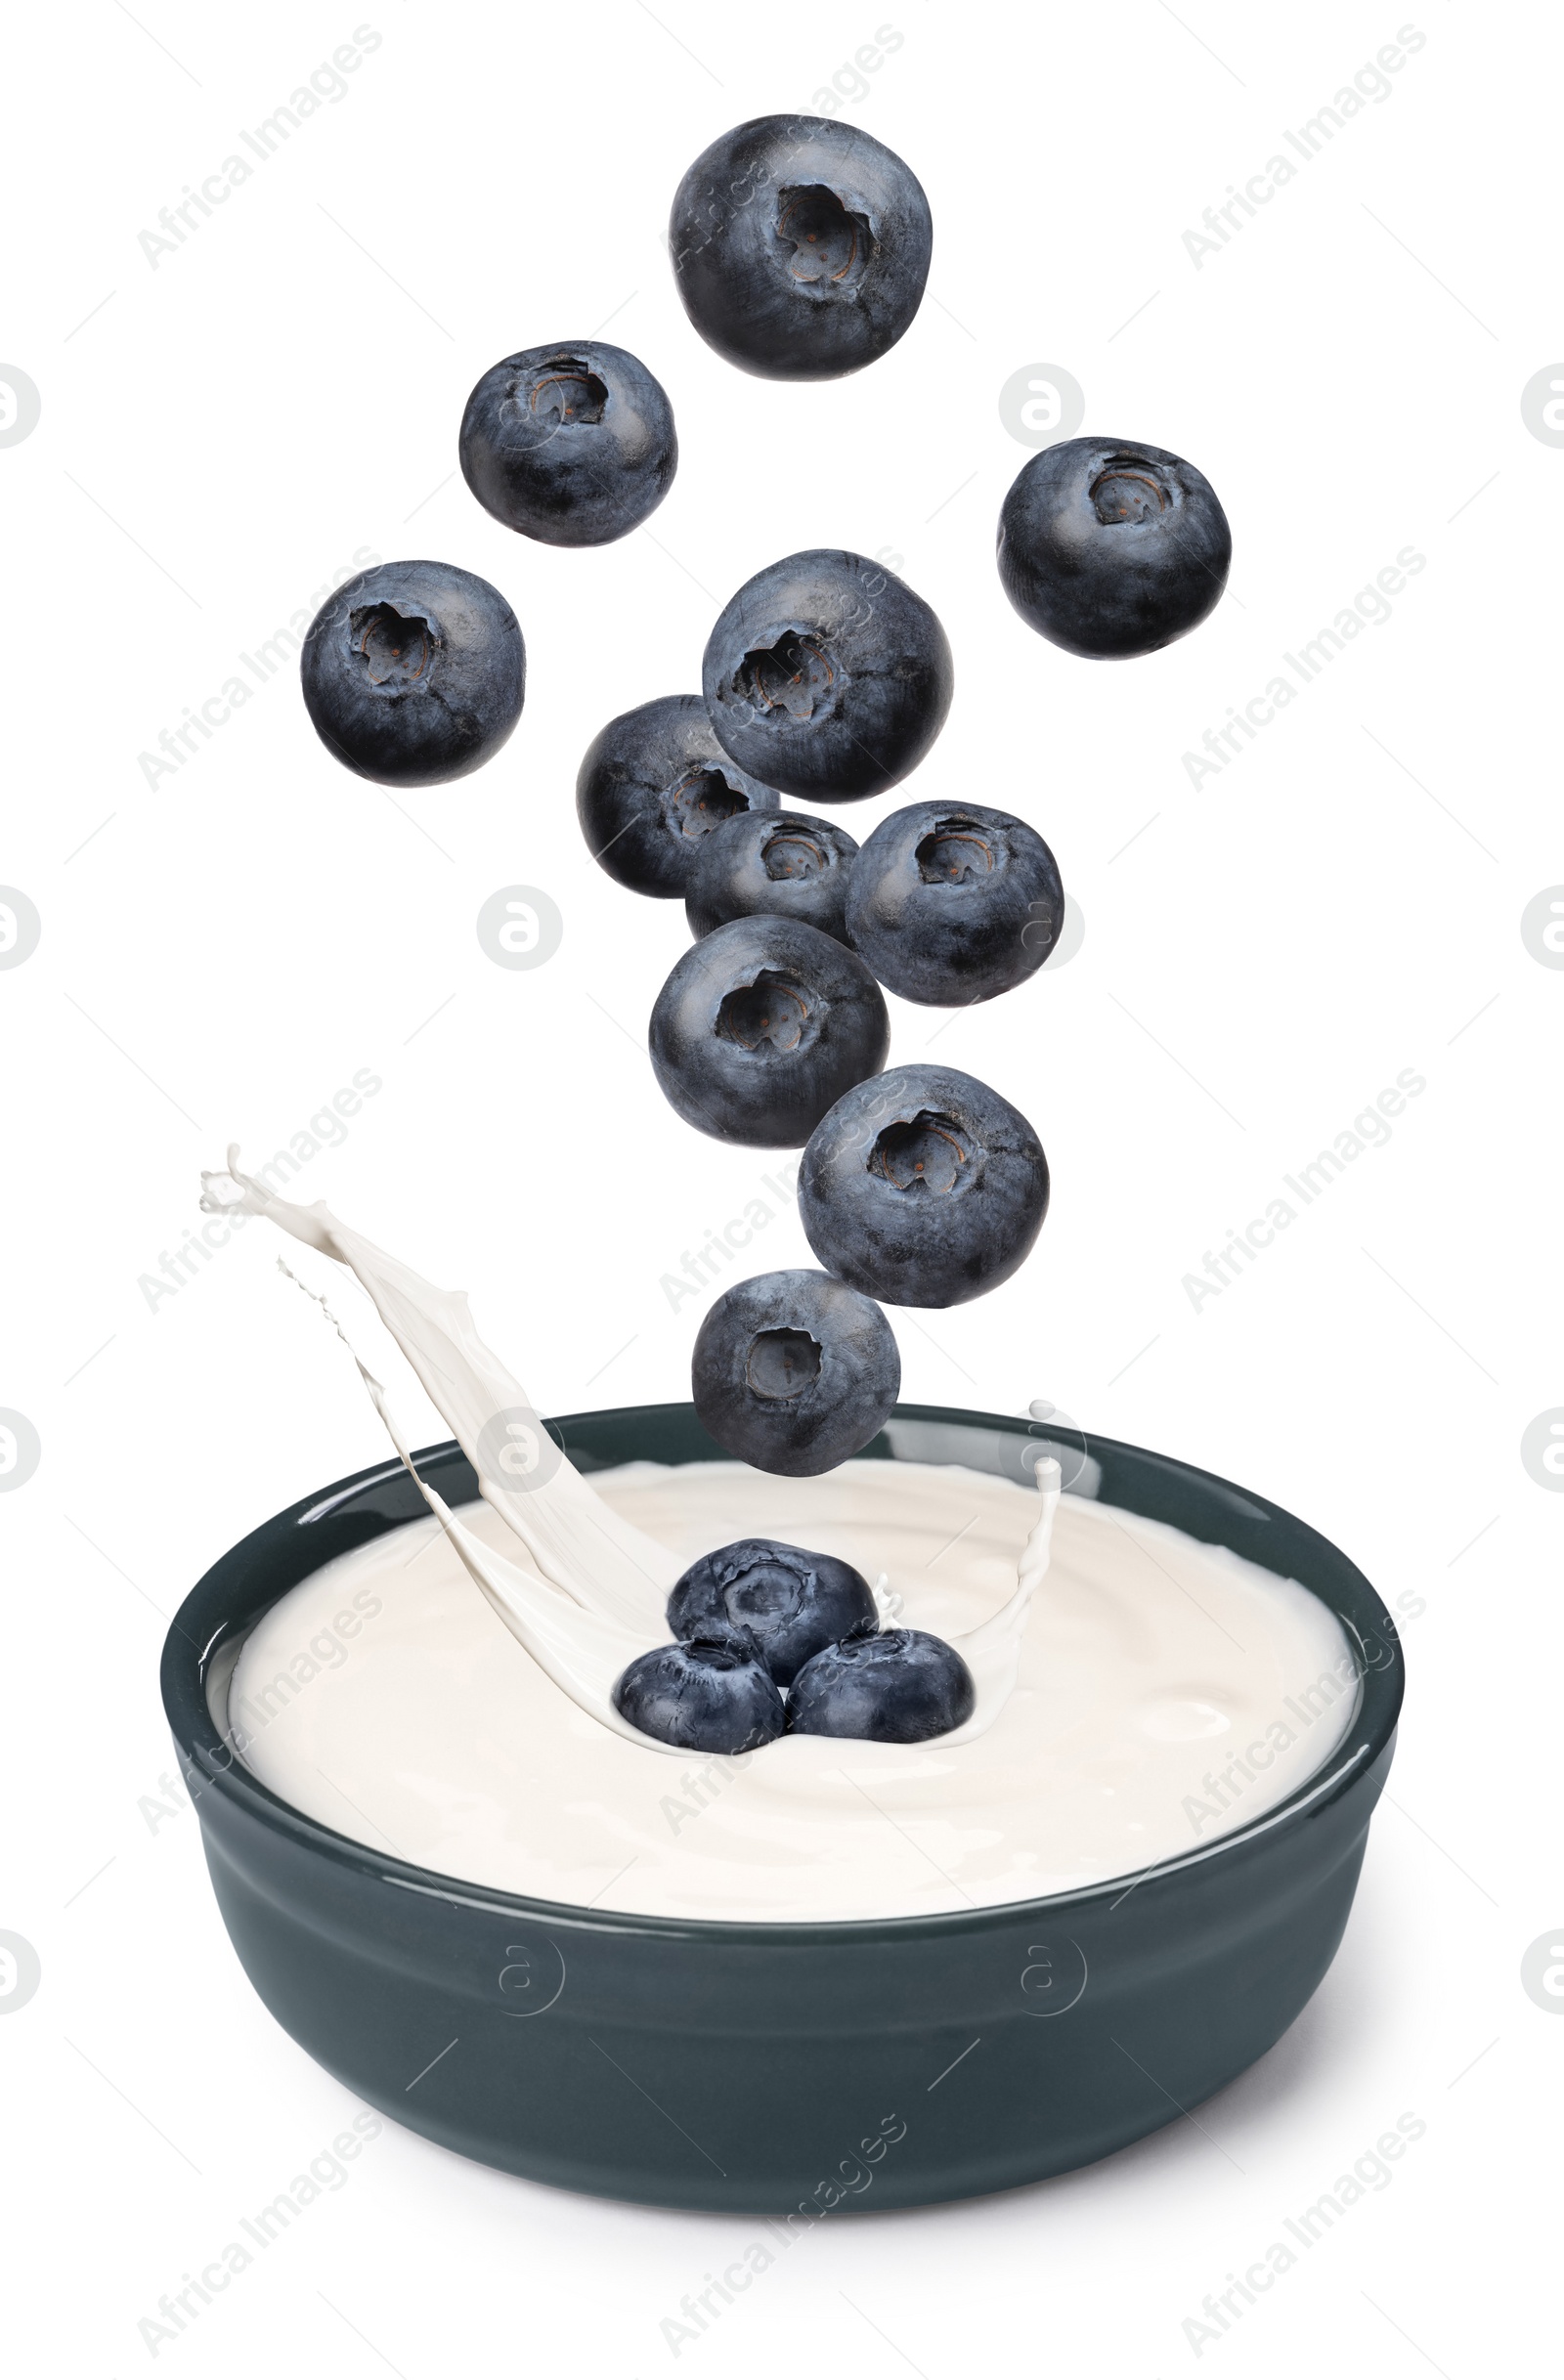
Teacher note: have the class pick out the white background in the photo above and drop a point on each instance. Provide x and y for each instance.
(223, 949)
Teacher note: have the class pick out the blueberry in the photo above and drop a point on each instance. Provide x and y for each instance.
(923, 1187)
(899, 1686)
(413, 672)
(714, 1694)
(793, 1373)
(761, 1026)
(951, 903)
(826, 677)
(800, 247)
(1110, 548)
(573, 444)
(784, 865)
(793, 1603)
(652, 786)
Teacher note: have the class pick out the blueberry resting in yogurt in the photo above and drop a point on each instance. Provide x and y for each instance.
(413, 672)
(951, 903)
(778, 865)
(923, 1187)
(896, 1686)
(1110, 548)
(800, 247)
(826, 677)
(712, 1694)
(573, 444)
(761, 1026)
(793, 1603)
(794, 1372)
(654, 785)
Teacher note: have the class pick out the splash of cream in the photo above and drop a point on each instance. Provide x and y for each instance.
(580, 1545)
(600, 1599)
(583, 1651)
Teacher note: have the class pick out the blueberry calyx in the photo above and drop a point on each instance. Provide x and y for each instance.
(782, 1364)
(395, 646)
(924, 1155)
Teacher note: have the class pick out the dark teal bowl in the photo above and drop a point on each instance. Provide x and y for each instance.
(785, 2069)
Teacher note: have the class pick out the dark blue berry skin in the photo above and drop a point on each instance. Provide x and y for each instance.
(800, 247)
(573, 444)
(923, 1187)
(900, 1686)
(794, 1372)
(1110, 548)
(710, 1695)
(761, 1026)
(781, 865)
(793, 1603)
(413, 672)
(653, 787)
(951, 903)
(826, 677)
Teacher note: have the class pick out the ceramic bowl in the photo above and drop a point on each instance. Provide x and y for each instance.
(784, 2070)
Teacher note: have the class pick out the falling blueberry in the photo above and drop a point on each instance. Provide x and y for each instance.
(951, 903)
(800, 247)
(826, 677)
(413, 672)
(573, 444)
(896, 1686)
(1111, 548)
(714, 1694)
(654, 785)
(761, 1026)
(794, 1372)
(923, 1187)
(793, 1603)
(781, 865)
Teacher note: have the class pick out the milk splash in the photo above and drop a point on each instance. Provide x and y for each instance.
(600, 1596)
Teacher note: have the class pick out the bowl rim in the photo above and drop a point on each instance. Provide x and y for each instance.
(187, 1659)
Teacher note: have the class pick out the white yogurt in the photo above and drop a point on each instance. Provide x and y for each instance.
(1167, 1692)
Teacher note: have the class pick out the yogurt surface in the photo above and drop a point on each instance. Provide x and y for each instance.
(1169, 1693)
